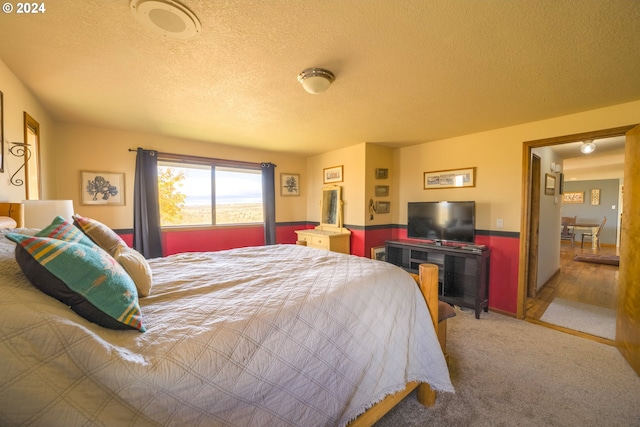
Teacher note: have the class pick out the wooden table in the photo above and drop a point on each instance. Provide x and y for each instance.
(594, 230)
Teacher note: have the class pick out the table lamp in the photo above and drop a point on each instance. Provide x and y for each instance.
(40, 213)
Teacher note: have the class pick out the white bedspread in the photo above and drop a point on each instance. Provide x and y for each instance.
(262, 336)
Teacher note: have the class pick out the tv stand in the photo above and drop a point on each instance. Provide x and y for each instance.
(463, 271)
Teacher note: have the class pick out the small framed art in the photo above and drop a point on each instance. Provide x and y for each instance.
(289, 184)
(451, 178)
(595, 196)
(382, 173)
(332, 174)
(382, 190)
(383, 207)
(101, 188)
(573, 197)
(378, 253)
(549, 184)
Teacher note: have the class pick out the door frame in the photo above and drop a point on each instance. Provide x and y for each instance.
(526, 216)
(534, 224)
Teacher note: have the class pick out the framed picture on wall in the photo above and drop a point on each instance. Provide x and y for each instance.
(383, 207)
(332, 174)
(595, 196)
(289, 184)
(549, 184)
(382, 173)
(101, 188)
(573, 197)
(452, 178)
(382, 190)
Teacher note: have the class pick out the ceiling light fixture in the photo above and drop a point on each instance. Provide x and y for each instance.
(587, 147)
(167, 18)
(316, 80)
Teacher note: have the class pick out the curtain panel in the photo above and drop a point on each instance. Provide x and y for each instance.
(269, 202)
(147, 237)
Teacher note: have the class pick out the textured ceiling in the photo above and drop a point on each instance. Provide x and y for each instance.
(407, 72)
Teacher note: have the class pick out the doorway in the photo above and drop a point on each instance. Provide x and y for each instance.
(531, 305)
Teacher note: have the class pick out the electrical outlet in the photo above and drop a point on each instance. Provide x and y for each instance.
(499, 223)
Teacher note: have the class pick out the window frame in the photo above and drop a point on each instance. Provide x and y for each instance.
(187, 160)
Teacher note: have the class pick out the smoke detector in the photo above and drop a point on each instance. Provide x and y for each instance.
(167, 18)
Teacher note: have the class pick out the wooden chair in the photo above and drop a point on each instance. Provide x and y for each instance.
(590, 236)
(568, 231)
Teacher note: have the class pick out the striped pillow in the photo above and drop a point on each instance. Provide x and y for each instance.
(82, 276)
(60, 229)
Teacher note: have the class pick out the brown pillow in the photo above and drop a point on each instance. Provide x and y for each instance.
(133, 262)
(101, 235)
(445, 311)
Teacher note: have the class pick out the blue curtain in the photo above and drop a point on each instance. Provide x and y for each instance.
(269, 204)
(147, 238)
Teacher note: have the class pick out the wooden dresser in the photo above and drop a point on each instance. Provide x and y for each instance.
(337, 241)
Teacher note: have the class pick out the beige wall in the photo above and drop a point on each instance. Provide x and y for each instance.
(549, 226)
(17, 100)
(497, 155)
(378, 157)
(353, 186)
(99, 149)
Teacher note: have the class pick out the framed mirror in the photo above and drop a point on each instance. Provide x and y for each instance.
(331, 207)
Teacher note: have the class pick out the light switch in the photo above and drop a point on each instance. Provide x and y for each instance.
(613, 207)
(499, 223)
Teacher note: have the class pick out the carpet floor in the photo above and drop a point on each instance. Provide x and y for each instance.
(581, 317)
(510, 372)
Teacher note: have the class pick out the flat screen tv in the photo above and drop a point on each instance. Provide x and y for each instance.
(442, 221)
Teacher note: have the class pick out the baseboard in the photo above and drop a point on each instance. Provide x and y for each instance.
(572, 332)
(502, 312)
(544, 285)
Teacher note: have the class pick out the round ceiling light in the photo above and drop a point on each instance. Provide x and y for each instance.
(316, 80)
(167, 18)
(587, 147)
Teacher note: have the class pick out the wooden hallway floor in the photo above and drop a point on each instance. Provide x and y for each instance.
(587, 283)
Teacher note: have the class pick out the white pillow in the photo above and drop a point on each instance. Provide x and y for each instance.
(137, 267)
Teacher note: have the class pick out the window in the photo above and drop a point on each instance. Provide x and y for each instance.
(207, 193)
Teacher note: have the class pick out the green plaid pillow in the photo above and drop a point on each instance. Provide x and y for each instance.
(82, 276)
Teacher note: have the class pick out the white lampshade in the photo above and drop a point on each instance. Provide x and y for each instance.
(315, 80)
(40, 213)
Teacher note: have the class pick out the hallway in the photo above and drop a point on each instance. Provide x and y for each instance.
(587, 283)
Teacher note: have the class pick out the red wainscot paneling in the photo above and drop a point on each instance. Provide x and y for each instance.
(377, 236)
(216, 239)
(127, 237)
(203, 240)
(357, 241)
(286, 232)
(503, 277)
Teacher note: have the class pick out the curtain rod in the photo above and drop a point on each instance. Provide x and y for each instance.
(206, 160)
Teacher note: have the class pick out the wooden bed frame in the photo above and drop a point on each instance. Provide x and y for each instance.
(427, 281)
(13, 210)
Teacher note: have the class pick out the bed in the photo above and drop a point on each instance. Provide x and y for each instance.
(274, 335)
